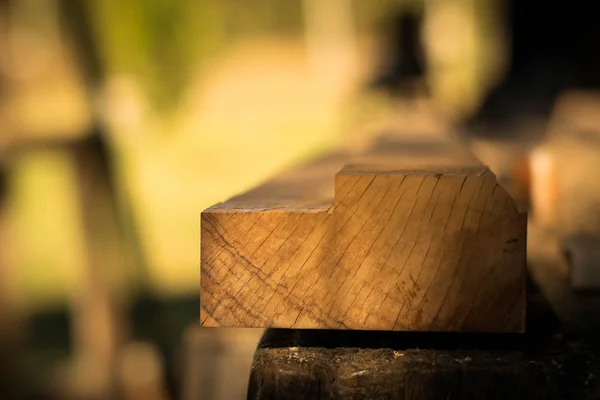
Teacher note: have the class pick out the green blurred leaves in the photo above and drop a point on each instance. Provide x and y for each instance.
(159, 41)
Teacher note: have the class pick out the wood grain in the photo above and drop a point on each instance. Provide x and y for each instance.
(412, 234)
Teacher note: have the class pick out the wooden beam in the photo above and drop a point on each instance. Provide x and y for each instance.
(412, 234)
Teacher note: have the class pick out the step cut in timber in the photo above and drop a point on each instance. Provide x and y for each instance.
(408, 236)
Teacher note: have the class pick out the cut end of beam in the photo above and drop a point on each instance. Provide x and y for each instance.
(436, 247)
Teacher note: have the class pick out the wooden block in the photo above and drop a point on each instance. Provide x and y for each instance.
(411, 235)
(583, 253)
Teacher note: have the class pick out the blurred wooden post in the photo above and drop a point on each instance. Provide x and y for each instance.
(97, 324)
(5, 314)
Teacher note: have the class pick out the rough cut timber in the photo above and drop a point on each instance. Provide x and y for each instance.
(410, 235)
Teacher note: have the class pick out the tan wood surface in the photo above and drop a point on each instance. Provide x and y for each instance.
(411, 234)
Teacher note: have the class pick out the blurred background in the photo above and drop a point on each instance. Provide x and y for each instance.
(121, 120)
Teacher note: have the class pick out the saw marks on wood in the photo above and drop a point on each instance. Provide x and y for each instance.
(408, 236)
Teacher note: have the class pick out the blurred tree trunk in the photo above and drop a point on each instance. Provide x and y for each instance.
(7, 331)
